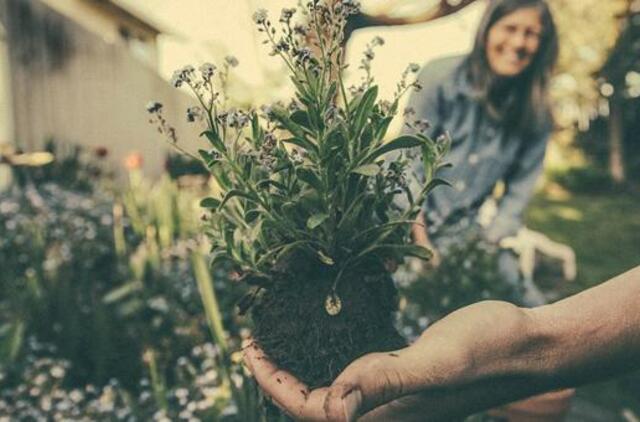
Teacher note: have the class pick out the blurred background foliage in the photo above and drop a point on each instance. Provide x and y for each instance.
(101, 314)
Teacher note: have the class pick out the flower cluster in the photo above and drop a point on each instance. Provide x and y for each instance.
(310, 176)
(307, 45)
(211, 102)
(404, 84)
(61, 244)
(40, 392)
(157, 118)
(365, 65)
(194, 114)
(237, 119)
(419, 125)
(395, 176)
(266, 156)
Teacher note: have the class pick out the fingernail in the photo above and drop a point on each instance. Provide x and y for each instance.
(351, 404)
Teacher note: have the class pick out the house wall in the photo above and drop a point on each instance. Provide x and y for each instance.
(105, 20)
(70, 85)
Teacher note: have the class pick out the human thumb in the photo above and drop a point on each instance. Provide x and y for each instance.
(342, 403)
(351, 403)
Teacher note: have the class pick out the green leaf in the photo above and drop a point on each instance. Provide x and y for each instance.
(414, 250)
(268, 182)
(316, 219)
(282, 116)
(130, 307)
(220, 256)
(366, 137)
(405, 250)
(121, 292)
(282, 250)
(310, 177)
(251, 215)
(256, 130)
(301, 118)
(325, 259)
(364, 109)
(403, 142)
(206, 155)
(382, 127)
(331, 93)
(233, 193)
(215, 140)
(352, 210)
(367, 170)
(210, 203)
(302, 142)
(381, 229)
(433, 184)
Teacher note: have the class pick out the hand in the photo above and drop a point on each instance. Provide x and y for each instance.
(377, 380)
(413, 383)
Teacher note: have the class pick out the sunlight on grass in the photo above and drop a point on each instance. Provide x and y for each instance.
(568, 213)
(599, 227)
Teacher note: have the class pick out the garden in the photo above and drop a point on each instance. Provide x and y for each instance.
(128, 297)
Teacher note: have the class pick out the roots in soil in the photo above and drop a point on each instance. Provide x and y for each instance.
(294, 329)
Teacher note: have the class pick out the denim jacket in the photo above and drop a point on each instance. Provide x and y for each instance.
(482, 152)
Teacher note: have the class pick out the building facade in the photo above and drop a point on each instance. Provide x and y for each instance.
(81, 72)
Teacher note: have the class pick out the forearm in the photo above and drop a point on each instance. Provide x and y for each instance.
(497, 353)
(594, 334)
(584, 338)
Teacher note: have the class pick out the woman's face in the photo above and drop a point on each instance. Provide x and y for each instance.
(513, 41)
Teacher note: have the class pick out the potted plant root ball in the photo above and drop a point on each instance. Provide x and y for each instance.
(305, 205)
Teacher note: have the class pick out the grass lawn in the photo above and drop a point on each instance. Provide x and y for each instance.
(604, 231)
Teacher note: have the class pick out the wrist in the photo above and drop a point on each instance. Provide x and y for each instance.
(510, 342)
(537, 354)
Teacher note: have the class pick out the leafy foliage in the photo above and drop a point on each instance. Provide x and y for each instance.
(583, 52)
(312, 182)
(469, 273)
(100, 316)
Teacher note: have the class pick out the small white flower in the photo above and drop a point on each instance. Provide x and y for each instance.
(377, 40)
(231, 61)
(176, 79)
(287, 14)
(260, 16)
(154, 107)
(207, 70)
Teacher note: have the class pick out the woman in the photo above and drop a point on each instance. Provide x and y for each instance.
(493, 103)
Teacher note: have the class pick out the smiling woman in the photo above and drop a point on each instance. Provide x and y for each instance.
(493, 102)
(513, 42)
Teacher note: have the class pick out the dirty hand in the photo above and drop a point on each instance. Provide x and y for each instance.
(405, 385)
(368, 383)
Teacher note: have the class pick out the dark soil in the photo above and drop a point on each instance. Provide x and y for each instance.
(296, 332)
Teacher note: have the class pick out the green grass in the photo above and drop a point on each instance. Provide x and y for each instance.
(604, 231)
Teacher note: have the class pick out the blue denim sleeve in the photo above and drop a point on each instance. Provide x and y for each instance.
(519, 182)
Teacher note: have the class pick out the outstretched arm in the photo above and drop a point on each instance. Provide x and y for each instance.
(481, 356)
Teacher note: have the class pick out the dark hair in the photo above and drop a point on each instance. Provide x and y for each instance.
(526, 105)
